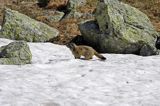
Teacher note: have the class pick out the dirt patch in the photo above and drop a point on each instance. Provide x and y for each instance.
(57, 4)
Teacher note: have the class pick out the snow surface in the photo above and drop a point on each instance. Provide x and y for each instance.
(55, 78)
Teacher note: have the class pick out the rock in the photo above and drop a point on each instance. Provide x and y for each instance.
(73, 14)
(79, 15)
(120, 28)
(18, 26)
(15, 53)
(50, 16)
(72, 7)
(73, 4)
(82, 9)
(148, 50)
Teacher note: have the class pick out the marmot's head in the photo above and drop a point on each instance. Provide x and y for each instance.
(71, 45)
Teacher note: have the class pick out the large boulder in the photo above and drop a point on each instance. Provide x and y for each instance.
(18, 26)
(15, 53)
(120, 28)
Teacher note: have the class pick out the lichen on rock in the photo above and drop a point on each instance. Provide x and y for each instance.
(120, 28)
(15, 53)
(18, 26)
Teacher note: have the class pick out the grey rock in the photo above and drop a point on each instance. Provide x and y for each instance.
(52, 16)
(74, 12)
(120, 28)
(18, 26)
(15, 53)
(79, 15)
(73, 4)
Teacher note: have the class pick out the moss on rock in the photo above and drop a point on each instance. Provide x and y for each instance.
(18, 26)
(15, 53)
(120, 28)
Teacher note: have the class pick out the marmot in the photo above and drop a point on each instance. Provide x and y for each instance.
(82, 50)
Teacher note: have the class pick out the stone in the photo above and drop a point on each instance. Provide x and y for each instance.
(73, 4)
(18, 26)
(50, 16)
(15, 53)
(120, 28)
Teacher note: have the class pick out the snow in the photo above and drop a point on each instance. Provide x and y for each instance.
(55, 78)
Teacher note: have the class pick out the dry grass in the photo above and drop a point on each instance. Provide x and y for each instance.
(89, 7)
(68, 30)
(55, 4)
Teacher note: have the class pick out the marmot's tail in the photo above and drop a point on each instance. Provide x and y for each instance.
(99, 56)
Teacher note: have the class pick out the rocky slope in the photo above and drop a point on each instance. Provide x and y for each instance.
(68, 27)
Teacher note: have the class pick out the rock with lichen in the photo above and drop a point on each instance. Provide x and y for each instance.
(15, 53)
(18, 26)
(120, 28)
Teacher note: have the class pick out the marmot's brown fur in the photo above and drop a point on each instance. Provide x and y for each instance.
(82, 50)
